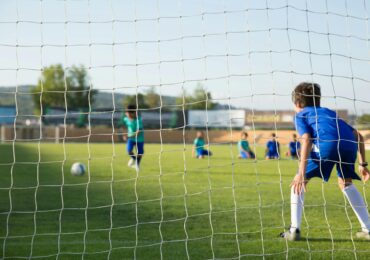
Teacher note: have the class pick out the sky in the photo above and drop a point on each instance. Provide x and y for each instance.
(246, 53)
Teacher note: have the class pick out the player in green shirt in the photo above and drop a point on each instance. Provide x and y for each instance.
(198, 148)
(135, 136)
(245, 151)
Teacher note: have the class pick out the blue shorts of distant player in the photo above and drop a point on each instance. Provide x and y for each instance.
(203, 152)
(293, 154)
(272, 155)
(131, 144)
(322, 166)
(245, 155)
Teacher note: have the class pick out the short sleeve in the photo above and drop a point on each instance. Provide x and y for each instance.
(124, 120)
(301, 125)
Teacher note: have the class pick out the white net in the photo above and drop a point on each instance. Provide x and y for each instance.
(69, 68)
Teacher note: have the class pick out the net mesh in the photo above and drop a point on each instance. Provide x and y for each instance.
(238, 55)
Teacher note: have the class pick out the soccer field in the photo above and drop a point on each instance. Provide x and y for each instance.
(177, 207)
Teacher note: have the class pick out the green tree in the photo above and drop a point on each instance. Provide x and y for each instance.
(58, 88)
(51, 87)
(132, 100)
(198, 100)
(80, 95)
(152, 99)
(364, 119)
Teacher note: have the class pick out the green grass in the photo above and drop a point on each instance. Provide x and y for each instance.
(178, 207)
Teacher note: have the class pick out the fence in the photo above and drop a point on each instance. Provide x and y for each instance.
(105, 134)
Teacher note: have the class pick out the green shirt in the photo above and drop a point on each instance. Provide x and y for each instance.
(243, 145)
(199, 144)
(132, 126)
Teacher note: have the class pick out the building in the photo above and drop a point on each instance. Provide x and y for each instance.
(7, 115)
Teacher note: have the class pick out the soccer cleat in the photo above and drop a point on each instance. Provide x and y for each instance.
(363, 235)
(295, 236)
(131, 162)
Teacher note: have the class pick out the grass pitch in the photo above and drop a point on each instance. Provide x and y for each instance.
(177, 207)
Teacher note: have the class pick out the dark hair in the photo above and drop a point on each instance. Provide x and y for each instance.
(307, 94)
(131, 108)
(295, 135)
(245, 134)
(273, 135)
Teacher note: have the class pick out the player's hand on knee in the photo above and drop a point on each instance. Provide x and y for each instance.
(365, 174)
(299, 183)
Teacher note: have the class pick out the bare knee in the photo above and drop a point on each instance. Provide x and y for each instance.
(343, 183)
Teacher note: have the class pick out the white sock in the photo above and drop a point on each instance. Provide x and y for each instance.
(296, 208)
(358, 205)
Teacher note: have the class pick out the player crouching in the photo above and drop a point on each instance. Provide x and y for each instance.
(135, 136)
(245, 151)
(327, 141)
(198, 148)
(294, 148)
(272, 148)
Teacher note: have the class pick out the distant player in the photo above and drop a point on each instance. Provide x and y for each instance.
(294, 148)
(327, 141)
(135, 136)
(198, 149)
(272, 148)
(244, 148)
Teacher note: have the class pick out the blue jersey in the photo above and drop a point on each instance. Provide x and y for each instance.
(294, 146)
(272, 147)
(330, 135)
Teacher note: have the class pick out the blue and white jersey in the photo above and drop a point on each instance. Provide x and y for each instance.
(330, 134)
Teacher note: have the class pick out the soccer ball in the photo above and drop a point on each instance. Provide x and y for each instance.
(78, 169)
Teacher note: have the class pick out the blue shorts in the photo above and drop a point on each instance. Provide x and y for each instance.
(271, 155)
(203, 152)
(293, 154)
(131, 145)
(245, 155)
(322, 168)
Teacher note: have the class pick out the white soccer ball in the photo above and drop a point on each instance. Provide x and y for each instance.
(78, 169)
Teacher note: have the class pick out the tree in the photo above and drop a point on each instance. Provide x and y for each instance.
(80, 95)
(198, 100)
(58, 88)
(148, 100)
(51, 87)
(364, 119)
(152, 99)
(132, 100)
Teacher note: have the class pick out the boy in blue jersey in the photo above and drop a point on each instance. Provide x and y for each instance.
(294, 148)
(245, 151)
(327, 141)
(272, 148)
(198, 149)
(135, 136)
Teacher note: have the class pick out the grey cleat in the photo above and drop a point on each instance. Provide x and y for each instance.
(295, 236)
(363, 235)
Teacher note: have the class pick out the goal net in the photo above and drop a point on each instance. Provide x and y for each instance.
(197, 74)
